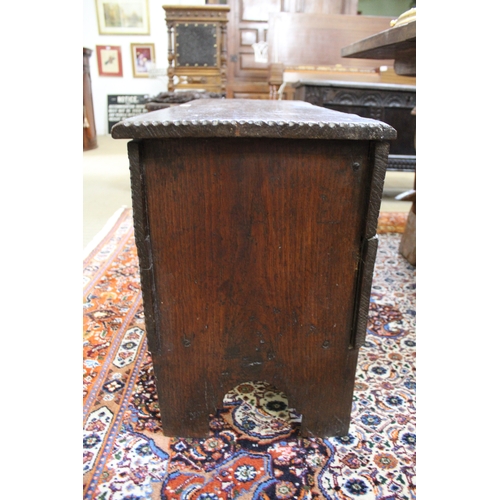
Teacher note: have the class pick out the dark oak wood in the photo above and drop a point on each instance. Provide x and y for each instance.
(390, 103)
(244, 118)
(89, 130)
(398, 43)
(256, 233)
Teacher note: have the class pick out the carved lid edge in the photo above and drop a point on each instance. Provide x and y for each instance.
(142, 128)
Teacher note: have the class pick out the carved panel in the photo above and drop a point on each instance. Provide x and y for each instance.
(402, 163)
(367, 97)
(196, 44)
(391, 104)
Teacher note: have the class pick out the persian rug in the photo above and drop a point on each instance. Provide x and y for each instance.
(255, 450)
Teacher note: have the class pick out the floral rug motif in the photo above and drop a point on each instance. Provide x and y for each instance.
(255, 450)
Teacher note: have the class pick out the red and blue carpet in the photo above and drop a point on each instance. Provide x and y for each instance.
(255, 450)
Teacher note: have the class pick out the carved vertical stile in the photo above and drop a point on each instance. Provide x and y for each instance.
(365, 271)
(142, 240)
(223, 57)
(379, 155)
(171, 55)
(380, 151)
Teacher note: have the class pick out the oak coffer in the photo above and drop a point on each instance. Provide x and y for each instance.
(255, 223)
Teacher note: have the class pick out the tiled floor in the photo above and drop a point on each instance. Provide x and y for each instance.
(106, 185)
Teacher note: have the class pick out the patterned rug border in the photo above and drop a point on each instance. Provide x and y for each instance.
(108, 229)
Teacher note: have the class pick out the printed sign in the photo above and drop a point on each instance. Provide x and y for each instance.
(125, 106)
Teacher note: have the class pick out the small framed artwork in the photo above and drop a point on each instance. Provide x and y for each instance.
(143, 56)
(109, 60)
(122, 17)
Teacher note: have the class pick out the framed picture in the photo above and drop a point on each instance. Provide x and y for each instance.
(123, 17)
(143, 56)
(109, 60)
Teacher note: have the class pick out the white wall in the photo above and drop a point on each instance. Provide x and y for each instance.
(104, 85)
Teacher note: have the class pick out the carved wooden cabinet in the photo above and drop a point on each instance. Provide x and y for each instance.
(89, 130)
(255, 223)
(390, 103)
(197, 47)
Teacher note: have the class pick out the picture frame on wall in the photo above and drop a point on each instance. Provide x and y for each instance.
(123, 17)
(109, 60)
(143, 57)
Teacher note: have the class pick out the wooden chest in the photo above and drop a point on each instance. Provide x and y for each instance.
(390, 103)
(255, 223)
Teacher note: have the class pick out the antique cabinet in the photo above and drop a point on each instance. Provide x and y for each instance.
(390, 103)
(197, 47)
(255, 223)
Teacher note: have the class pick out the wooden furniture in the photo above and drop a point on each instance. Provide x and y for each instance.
(390, 103)
(308, 47)
(249, 24)
(255, 223)
(399, 43)
(89, 130)
(197, 47)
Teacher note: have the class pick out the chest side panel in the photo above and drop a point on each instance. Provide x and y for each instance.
(255, 246)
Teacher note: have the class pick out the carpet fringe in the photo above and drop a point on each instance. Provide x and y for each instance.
(94, 243)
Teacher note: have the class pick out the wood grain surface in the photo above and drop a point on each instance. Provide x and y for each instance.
(255, 250)
(256, 254)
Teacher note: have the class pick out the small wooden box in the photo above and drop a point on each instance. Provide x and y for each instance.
(255, 223)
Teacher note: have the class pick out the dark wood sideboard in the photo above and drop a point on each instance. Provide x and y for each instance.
(389, 103)
(255, 223)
